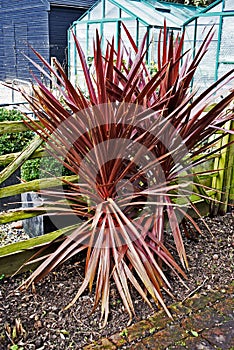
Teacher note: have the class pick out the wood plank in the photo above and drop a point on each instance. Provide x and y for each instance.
(14, 255)
(8, 158)
(34, 242)
(14, 126)
(35, 185)
(21, 214)
(11, 168)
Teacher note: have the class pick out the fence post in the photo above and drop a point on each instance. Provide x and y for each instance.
(231, 167)
(223, 183)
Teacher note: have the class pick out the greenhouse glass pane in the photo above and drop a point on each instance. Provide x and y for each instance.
(153, 52)
(189, 37)
(229, 5)
(223, 69)
(181, 11)
(124, 14)
(74, 61)
(210, 57)
(96, 12)
(141, 11)
(154, 36)
(208, 20)
(227, 40)
(155, 15)
(202, 30)
(141, 32)
(131, 26)
(203, 79)
(207, 71)
(111, 10)
(92, 35)
(80, 80)
(80, 32)
(217, 8)
(205, 74)
(108, 32)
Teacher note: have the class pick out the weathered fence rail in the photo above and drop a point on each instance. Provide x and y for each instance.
(14, 126)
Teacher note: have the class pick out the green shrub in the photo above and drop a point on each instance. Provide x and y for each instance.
(41, 168)
(13, 142)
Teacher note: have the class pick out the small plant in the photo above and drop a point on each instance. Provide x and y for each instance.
(14, 333)
(124, 333)
(16, 347)
(133, 142)
(194, 333)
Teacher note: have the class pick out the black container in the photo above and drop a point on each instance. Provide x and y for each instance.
(11, 202)
(42, 224)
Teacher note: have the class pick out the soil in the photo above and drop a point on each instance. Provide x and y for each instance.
(36, 320)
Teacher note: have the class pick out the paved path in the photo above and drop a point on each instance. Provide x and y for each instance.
(7, 95)
(203, 322)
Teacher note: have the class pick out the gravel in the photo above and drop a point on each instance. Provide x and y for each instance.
(11, 233)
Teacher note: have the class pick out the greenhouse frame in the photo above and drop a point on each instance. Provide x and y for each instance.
(147, 16)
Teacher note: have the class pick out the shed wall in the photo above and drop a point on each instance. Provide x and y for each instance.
(22, 22)
(60, 19)
(85, 4)
(41, 23)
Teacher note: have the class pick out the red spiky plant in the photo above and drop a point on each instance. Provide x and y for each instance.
(133, 143)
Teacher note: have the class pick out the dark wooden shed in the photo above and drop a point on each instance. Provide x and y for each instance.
(41, 23)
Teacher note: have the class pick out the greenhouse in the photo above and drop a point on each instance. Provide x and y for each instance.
(220, 56)
(148, 16)
(138, 16)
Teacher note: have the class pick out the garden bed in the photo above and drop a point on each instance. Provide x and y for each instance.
(48, 327)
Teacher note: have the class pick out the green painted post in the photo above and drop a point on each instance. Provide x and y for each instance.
(87, 40)
(68, 53)
(230, 171)
(218, 48)
(217, 182)
(221, 183)
(194, 47)
(137, 32)
(195, 38)
(231, 192)
(75, 55)
(147, 43)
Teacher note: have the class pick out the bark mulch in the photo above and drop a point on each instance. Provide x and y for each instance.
(36, 321)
